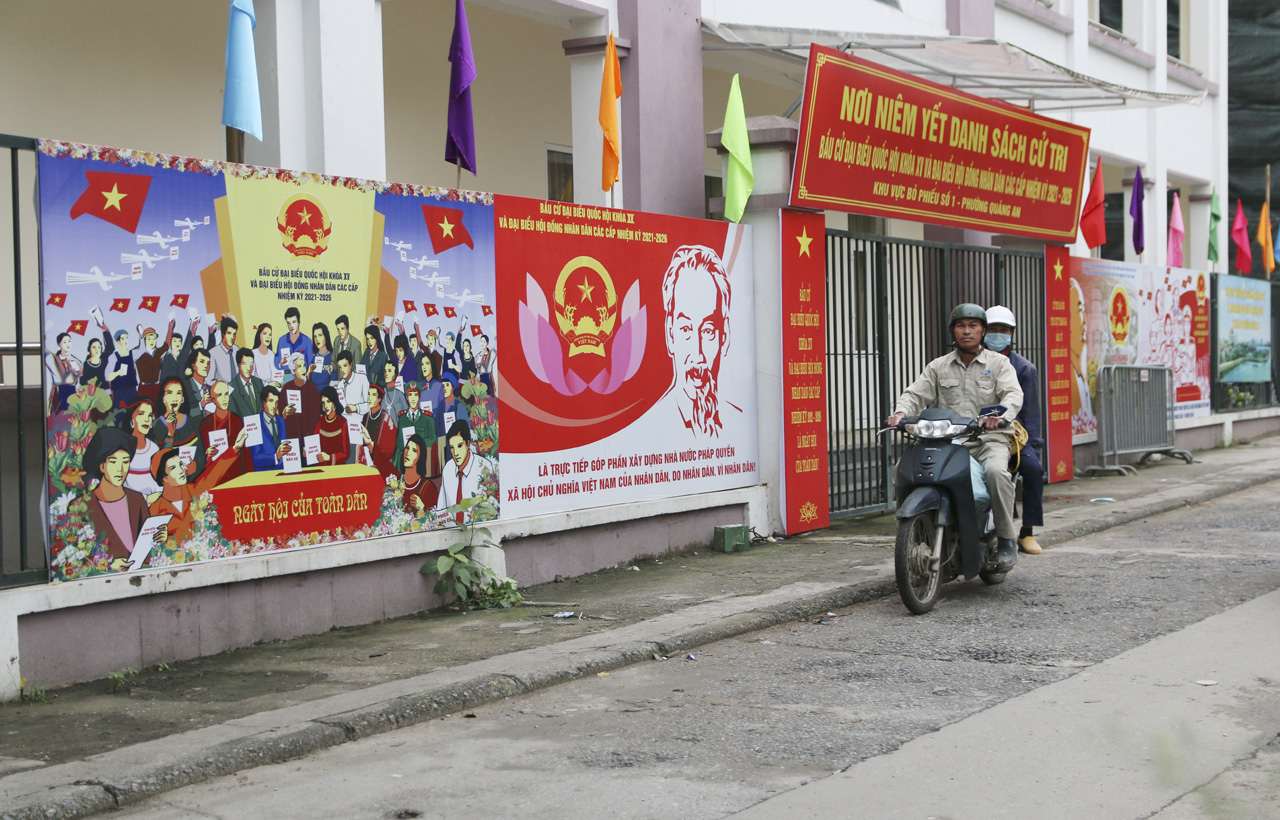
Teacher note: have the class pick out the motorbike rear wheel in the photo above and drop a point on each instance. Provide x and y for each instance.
(918, 579)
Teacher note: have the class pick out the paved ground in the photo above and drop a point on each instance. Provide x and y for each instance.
(166, 728)
(1069, 691)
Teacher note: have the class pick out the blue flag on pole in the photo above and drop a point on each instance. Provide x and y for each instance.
(241, 105)
(460, 143)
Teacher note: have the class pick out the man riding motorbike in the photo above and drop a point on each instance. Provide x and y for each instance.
(966, 380)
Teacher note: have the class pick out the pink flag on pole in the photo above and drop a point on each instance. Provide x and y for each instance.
(1176, 234)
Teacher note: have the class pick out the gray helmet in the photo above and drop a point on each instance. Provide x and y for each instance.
(968, 310)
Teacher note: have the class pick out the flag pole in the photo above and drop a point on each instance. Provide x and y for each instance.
(457, 185)
(235, 145)
(1265, 267)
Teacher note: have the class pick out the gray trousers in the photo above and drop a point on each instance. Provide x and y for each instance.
(992, 452)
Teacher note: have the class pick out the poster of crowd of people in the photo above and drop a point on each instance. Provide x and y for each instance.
(1120, 313)
(244, 359)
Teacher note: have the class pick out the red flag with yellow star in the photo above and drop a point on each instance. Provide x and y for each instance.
(450, 312)
(78, 327)
(408, 306)
(446, 228)
(57, 300)
(116, 198)
(431, 310)
(120, 305)
(151, 303)
(485, 310)
(180, 300)
(475, 330)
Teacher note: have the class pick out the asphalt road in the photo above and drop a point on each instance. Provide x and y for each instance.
(1133, 673)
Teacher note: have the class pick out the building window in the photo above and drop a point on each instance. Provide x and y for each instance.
(1113, 248)
(1179, 30)
(858, 223)
(560, 174)
(712, 187)
(1109, 13)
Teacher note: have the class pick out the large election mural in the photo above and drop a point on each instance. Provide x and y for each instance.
(1119, 313)
(245, 359)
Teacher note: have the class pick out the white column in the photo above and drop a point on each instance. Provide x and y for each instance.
(586, 72)
(320, 76)
(10, 674)
(351, 88)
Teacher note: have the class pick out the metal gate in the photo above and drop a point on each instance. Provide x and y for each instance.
(22, 466)
(887, 307)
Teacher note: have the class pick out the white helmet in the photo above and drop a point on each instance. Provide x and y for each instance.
(1001, 315)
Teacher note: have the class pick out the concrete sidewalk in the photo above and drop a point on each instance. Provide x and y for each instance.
(89, 749)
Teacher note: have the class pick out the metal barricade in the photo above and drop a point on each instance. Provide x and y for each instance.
(1135, 415)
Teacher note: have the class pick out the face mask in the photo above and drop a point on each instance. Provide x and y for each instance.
(997, 341)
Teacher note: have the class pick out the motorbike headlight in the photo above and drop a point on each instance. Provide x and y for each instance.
(932, 428)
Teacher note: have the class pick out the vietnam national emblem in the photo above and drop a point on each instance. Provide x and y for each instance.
(304, 226)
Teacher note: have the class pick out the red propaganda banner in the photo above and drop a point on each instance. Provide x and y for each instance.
(878, 141)
(805, 488)
(629, 364)
(1063, 328)
(278, 505)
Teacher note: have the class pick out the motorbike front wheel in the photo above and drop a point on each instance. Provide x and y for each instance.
(918, 578)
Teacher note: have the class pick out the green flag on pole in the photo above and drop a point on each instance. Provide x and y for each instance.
(1215, 217)
(741, 178)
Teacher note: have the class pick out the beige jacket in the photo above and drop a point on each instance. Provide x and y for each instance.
(990, 379)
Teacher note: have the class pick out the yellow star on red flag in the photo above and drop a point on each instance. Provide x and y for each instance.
(804, 239)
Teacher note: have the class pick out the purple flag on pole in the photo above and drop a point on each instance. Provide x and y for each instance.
(460, 143)
(1135, 211)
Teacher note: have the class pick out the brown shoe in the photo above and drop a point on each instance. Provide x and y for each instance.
(1029, 545)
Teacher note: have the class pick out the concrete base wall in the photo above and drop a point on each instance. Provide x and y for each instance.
(83, 630)
(87, 642)
(540, 558)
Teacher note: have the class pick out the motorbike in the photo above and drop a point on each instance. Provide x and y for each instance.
(943, 532)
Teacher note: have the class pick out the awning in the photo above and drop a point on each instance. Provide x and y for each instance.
(987, 68)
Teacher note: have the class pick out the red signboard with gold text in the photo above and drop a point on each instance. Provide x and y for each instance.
(805, 498)
(1063, 314)
(878, 141)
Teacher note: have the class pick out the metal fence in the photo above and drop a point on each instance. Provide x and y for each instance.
(887, 306)
(1135, 415)
(22, 466)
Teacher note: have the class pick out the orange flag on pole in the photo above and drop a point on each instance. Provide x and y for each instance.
(1264, 239)
(610, 91)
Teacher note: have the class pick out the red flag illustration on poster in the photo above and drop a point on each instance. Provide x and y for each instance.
(116, 198)
(634, 363)
(444, 226)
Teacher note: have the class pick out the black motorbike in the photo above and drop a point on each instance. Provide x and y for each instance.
(942, 532)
